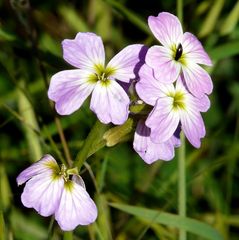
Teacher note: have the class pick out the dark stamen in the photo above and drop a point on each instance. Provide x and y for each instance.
(179, 52)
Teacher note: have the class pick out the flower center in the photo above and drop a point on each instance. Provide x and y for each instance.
(63, 173)
(179, 52)
(178, 100)
(102, 74)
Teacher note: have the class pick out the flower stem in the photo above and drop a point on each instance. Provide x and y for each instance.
(95, 135)
(182, 184)
(180, 10)
(68, 235)
(181, 157)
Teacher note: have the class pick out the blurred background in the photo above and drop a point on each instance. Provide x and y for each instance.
(30, 53)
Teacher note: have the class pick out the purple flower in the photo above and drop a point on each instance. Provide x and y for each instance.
(70, 88)
(150, 151)
(174, 106)
(49, 190)
(181, 52)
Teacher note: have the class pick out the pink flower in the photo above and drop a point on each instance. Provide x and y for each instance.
(150, 151)
(50, 190)
(70, 88)
(174, 107)
(180, 53)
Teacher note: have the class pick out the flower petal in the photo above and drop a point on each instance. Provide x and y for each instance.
(125, 62)
(165, 69)
(194, 51)
(45, 165)
(69, 89)
(163, 120)
(110, 102)
(148, 88)
(203, 103)
(148, 150)
(85, 51)
(193, 126)
(197, 79)
(166, 28)
(76, 208)
(43, 192)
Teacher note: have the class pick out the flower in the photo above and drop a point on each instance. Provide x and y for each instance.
(150, 151)
(70, 88)
(181, 52)
(49, 190)
(174, 107)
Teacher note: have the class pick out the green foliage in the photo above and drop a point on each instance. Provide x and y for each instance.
(115, 176)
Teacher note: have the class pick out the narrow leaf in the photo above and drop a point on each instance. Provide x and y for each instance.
(172, 220)
(211, 19)
(231, 20)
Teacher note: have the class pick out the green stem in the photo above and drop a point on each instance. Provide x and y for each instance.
(180, 10)
(181, 157)
(95, 135)
(182, 184)
(68, 235)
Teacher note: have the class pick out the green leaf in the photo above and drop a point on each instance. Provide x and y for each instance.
(231, 20)
(75, 21)
(25, 227)
(132, 17)
(224, 51)
(172, 220)
(212, 18)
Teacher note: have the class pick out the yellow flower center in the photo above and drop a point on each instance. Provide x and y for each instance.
(178, 100)
(177, 53)
(101, 74)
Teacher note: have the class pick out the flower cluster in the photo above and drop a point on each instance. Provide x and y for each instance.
(50, 190)
(168, 78)
(176, 86)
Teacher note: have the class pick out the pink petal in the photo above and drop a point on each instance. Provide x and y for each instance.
(193, 126)
(43, 192)
(110, 102)
(125, 62)
(45, 165)
(85, 51)
(203, 103)
(160, 59)
(194, 51)
(148, 150)
(69, 89)
(162, 120)
(148, 88)
(166, 28)
(197, 80)
(76, 208)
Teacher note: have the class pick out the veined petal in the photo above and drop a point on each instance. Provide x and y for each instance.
(148, 88)
(197, 79)
(85, 51)
(43, 192)
(76, 207)
(124, 63)
(166, 28)
(69, 89)
(163, 120)
(148, 150)
(110, 102)
(193, 126)
(194, 51)
(46, 164)
(160, 59)
(203, 103)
